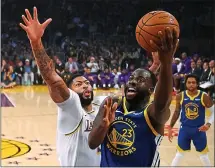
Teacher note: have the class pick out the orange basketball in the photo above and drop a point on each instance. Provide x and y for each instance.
(149, 25)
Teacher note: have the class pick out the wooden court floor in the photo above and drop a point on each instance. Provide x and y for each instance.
(29, 130)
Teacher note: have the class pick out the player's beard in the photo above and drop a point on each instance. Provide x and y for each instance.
(85, 101)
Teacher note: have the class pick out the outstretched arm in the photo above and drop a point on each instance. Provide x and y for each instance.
(57, 88)
(159, 111)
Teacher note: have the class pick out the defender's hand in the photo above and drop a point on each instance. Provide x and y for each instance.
(168, 47)
(32, 26)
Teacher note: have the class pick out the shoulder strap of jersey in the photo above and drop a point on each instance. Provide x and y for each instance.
(202, 95)
(182, 97)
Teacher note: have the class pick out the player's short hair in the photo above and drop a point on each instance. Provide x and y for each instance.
(153, 76)
(70, 81)
(192, 76)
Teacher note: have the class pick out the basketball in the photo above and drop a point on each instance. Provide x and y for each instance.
(150, 24)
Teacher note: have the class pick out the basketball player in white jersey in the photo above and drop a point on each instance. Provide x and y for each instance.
(75, 110)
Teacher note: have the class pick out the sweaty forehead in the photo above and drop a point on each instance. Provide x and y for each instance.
(141, 72)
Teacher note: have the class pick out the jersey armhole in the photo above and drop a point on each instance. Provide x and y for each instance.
(75, 129)
(149, 122)
(182, 98)
(202, 98)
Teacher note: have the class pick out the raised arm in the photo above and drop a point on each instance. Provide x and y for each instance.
(57, 88)
(159, 110)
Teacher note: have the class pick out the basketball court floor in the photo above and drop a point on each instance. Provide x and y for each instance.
(28, 135)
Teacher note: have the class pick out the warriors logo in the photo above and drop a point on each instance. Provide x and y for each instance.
(191, 110)
(121, 137)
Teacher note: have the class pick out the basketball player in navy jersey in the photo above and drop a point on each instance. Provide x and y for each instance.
(129, 136)
(192, 104)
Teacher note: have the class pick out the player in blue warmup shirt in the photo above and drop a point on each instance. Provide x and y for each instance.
(130, 128)
(192, 104)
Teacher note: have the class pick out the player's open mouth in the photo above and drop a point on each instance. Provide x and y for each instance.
(87, 93)
(131, 92)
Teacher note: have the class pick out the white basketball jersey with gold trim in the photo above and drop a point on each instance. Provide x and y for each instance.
(73, 127)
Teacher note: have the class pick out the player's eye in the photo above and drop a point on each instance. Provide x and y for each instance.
(87, 82)
(78, 84)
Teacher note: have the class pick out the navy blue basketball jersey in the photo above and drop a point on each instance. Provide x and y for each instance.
(131, 140)
(192, 109)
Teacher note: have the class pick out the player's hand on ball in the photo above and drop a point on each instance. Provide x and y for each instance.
(33, 27)
(204, 128)
(170, 134)
(109, 113)
(169, 44)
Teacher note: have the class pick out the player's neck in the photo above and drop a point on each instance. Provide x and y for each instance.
(88, 108)
(136, 106)
(192, 93)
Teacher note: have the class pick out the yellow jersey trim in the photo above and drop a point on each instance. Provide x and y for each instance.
(148, 122)
(202, 99)
(204, 151)
(119, 100)
(181, 150)
(124, 107)
(193, 97)
(76, 129)
(182, 98)
(91, 112)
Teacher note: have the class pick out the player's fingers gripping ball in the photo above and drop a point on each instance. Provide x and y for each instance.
(150, 24)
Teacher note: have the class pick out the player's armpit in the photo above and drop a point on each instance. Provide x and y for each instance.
(207, 101)
(57, 88)
(100, 129)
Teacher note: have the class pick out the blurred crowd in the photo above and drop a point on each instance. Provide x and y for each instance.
(97, 39)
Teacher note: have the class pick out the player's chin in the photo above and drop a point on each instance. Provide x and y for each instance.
(130, 96)
(191, 89)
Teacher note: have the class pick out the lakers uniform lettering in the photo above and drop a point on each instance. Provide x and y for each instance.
(130, 140)
(88, 128)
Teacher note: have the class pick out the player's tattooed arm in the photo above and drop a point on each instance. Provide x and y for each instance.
(35, 30)
(177, 111)
(58, 90)
(104, 118)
